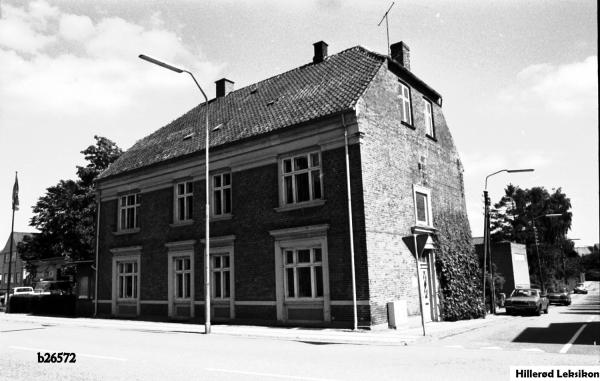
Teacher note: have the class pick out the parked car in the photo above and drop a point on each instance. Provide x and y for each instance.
(580, 289)
(527, 300)
(559, 296)
(17, 291)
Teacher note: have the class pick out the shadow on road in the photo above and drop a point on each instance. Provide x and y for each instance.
(561, 333)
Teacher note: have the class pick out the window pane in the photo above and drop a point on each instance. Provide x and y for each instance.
(120, 287)
(180, 189)
(302, 189)
(421, 207)
(226, 285)
(179, 283)
(319, 280)
(316, 184)
(177, 264)
(137, 217)
(289, 257)
(304, 256)
(135, 291)
(123, 221)
(289, 192)
(190, 207)
(218, 202)
(217, 284)
(188, 186)
(181, 208)
(290, 282)
(317, 255)
(227, 199)
(287, 166)
(226, 261)
(187, 288)
(186, 263)
(314, 159)
(131, 200)
(128, 287)
(217, 181)
(304, 282)
(300, 162)
(123, 201)
(137, 198)
(226, 179)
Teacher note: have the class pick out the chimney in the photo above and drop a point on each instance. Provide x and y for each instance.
(401, 54)
(224, 87)
(320, 51)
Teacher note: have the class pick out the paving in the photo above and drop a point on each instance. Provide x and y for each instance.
(409, 333)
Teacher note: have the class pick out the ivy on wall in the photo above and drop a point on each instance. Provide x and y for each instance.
(457, 267)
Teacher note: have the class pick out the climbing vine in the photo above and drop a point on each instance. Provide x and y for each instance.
(458, 268)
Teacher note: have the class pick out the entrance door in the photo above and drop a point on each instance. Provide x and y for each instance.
(426, 292)
(221, 286)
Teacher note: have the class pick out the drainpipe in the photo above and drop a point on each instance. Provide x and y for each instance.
(97, 250)
(350, 225)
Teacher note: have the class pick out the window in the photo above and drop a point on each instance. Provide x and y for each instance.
(301, 176)
(183, 278)
(221, 273)
(184, 201)
(422, 199)
(127, 273)
(221, 194)
(428, 111)
(405, 107)
(303, 273)
(129, 206)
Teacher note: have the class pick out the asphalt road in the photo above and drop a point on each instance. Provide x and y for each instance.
(109, 353)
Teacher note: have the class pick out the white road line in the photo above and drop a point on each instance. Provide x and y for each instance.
(77, 354)
(532, 350)
(268, 374)
(568, 345)
(494, 348)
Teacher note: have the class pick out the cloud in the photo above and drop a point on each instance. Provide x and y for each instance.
(565, 90)
(75, 27)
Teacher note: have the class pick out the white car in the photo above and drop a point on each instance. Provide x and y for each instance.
(22, 291)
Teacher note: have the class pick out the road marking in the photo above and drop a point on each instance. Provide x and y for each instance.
(268, 374)
(493, 348)
(532, 350)
(568, 345)
(78, 354)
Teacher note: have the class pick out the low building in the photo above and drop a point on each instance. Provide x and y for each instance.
(511, 262)
(284, 153)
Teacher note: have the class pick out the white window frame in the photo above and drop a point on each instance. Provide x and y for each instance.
(177, 250)
(121, 255)
(295, 265)
(313, 197)
(122, 275)
(129, 208)
(188, 199)
(221, 189)
(428, 210)
(428, 112)
(180, 273)
(222, 270)
(405, 104)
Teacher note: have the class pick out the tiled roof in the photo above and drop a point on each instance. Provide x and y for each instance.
(309, 92)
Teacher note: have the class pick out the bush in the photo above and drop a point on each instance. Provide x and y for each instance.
(63, 305)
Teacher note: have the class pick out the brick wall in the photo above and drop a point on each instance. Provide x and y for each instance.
(391, 152)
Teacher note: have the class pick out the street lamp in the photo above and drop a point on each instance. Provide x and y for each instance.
(207, 184)
(537, 249)
(486, 237)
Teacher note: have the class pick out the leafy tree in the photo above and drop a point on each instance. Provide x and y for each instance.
(513, 219)
(66, 214)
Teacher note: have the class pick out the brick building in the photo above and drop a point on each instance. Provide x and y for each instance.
(280, 237)
(17, 266)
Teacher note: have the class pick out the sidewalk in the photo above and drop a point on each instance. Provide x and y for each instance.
(382, 336)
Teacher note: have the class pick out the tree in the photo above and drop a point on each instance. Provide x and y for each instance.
(513, 219)
(66, 214)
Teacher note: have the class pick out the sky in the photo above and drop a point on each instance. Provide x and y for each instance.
(518, 78)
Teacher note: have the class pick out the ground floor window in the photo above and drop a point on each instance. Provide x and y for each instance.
(303, 273)
(221, 274)
(183, 278)
(127, 273)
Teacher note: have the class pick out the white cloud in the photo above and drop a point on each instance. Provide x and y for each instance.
(566, 90)
(75, 27)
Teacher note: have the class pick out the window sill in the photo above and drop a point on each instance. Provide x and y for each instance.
(304, 301)
(128, 231)
(301, 205)
(412, 127)
(182, 223)
(431, 137)
(222, 217)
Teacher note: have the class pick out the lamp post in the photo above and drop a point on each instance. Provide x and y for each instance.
(537, 249)
(486, 238)
(207, 184)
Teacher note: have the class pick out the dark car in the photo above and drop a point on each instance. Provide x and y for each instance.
(580, 289)
(527, 300)
(559, 296)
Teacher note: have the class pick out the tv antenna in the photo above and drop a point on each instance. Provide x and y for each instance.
(387, 29)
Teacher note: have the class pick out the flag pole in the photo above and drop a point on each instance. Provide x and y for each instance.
(15, 204)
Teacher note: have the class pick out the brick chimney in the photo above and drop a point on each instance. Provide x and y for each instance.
(320, 51)
(224, 87)
(401, 54)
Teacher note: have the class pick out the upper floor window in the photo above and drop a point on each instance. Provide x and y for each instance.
(129, 206)
(221, 194)
(184, 201)
(428, 111)
(422, 199)
(405, 106)
(301, 178)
